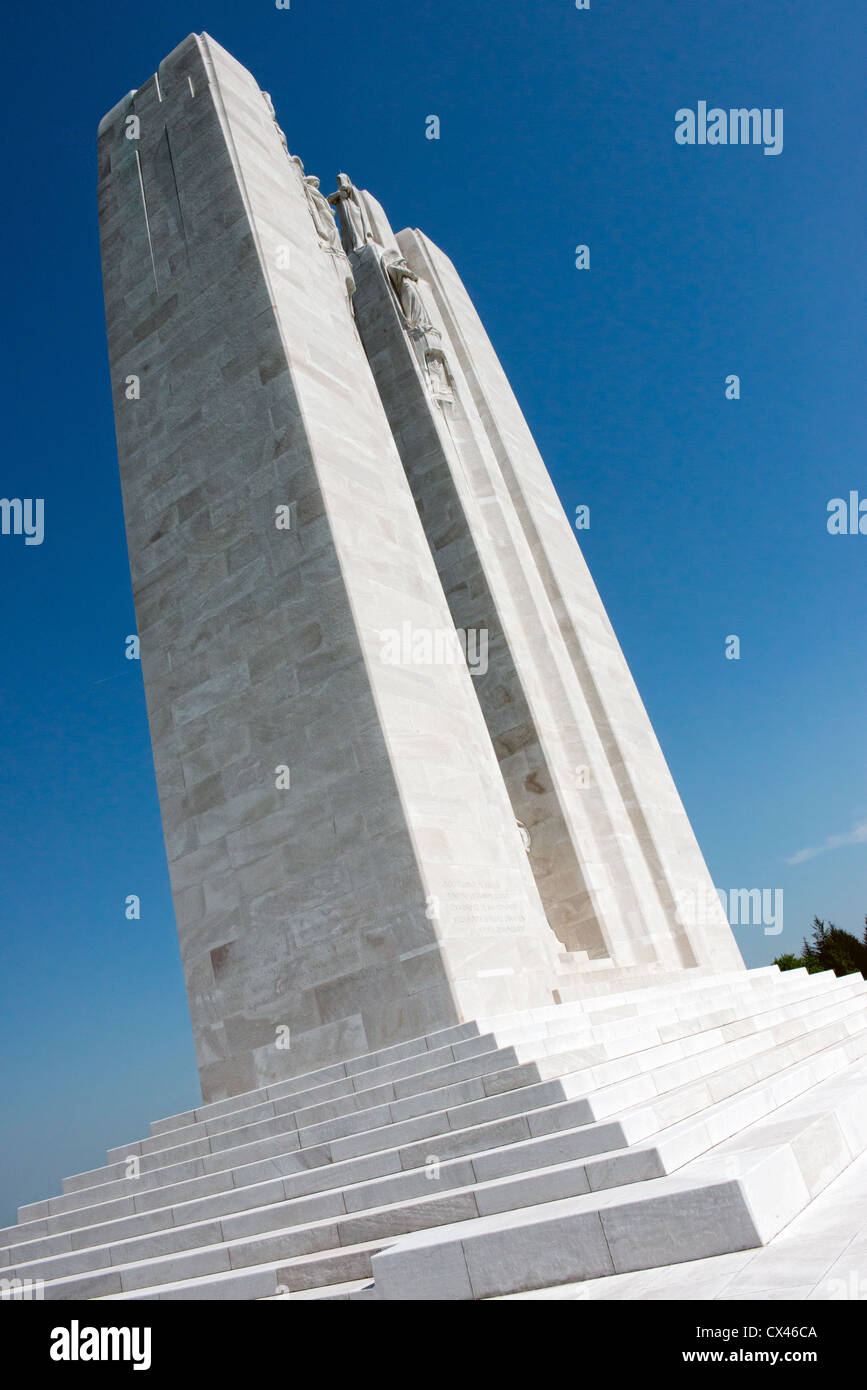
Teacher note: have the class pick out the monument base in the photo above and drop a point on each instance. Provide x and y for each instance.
(629, 1130)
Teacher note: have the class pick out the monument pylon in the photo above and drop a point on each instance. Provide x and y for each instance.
(405, 776)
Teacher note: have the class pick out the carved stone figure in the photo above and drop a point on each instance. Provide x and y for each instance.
(438, 375)
(326, 228)
(355, 228)
(405, 281)
(320, 211)
(269, 103)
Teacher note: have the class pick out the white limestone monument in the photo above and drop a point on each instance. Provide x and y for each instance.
(468, 1013)
(325, 475)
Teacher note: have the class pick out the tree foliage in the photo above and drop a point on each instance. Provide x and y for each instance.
(830, 948)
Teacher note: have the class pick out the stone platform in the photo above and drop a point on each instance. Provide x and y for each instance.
(625, 1131)
(820, 1257)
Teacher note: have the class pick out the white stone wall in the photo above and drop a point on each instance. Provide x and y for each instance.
(366, 903)
(629, 827)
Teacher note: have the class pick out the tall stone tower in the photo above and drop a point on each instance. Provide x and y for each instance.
(405, 776)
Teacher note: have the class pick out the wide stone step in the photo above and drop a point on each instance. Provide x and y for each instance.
(728, 1066)
(334, 1072)
(416, 1060)
(726, 1202)
(555, 1183)
(313, 1109)
(405, 1065)
(675, 995)
(307, 1274)
(634, 1001)
(737, 1198)
(332, 1293)
(648, 1051)
(348, 1116)
(589, 988)
(666, 1014)
(557, 1104)
(129, 1221)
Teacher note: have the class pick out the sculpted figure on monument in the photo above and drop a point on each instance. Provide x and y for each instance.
(269, 103)
(355, 228)
(438, 375)
(323, 221)
(320, 211)
(405, 282)
(426, 339)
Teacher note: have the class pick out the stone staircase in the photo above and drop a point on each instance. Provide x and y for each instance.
(617, 1132)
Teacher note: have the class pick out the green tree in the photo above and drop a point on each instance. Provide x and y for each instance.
(831, 948)
(789, 962)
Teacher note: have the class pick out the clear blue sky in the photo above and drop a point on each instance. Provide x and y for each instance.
(708, 517)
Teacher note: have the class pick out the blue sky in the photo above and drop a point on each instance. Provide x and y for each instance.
(708, 516)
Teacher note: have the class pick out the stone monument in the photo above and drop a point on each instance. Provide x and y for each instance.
(320, 449)
(469, 1017)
